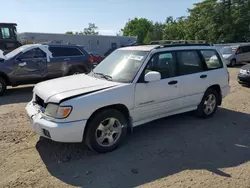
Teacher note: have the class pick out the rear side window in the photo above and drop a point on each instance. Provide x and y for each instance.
(189, 62)
(64, 51)
(212, 59)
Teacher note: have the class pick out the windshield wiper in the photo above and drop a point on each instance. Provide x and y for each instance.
(107, 77)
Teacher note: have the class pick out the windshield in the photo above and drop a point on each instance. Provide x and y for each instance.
(122, 65)
(227, 50)
(16, 51)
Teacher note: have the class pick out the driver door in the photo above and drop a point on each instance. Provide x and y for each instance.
(156, 99)
(30, 67)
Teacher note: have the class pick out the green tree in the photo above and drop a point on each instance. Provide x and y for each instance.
(69, 32)
(90, 30)
(157, 31)
(139, 27)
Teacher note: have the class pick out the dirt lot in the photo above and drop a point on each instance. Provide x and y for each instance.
(180, 151)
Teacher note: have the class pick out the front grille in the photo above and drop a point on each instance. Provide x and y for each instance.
(40, 101)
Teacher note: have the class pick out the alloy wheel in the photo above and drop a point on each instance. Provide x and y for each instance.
(209, 104)
(108, 132)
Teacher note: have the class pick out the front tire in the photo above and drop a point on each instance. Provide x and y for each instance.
(3, 86)
(208, 105)
(106, 131)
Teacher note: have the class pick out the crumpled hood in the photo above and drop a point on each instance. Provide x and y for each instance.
(58, 89)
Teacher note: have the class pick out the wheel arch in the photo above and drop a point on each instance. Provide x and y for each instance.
(5, 77)
(119, 107)
(217, 88)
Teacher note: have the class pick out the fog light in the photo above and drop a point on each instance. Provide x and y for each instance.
(46, 133)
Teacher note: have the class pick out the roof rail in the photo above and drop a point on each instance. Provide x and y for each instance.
(163, 42)
(194, 44)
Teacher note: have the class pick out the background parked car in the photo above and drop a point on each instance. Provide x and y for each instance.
(236, 54)
(244, 75)
(33, 63)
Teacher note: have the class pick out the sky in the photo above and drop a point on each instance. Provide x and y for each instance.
(59, 16)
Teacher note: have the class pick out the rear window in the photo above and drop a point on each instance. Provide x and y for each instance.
(64, 51)
(212, 59)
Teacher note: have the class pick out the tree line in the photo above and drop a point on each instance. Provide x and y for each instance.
(92, 29)
(217, 21)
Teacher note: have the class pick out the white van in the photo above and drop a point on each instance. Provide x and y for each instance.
(130, 87)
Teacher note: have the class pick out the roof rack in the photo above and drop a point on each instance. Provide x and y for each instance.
(176, 45)
(163, 42)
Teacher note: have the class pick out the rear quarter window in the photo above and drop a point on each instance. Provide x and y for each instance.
(212, 59)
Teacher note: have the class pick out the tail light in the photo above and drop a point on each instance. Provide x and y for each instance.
(91, 59)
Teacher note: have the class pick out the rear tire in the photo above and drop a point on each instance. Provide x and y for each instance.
(208, 104)
(3, 86)
(106, 131)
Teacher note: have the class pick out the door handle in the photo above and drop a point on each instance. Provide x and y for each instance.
(203, 76)
(172, 82)
(22, 64)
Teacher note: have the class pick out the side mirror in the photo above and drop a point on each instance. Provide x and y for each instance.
(152, 76)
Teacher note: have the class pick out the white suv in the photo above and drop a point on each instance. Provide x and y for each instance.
(132, 86)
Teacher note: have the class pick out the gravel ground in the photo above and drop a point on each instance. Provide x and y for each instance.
(179, 151)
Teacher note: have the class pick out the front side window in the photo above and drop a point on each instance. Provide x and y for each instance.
(213, 61)
(5, 33)
(189, 62)
(33, 53)
(122, 65)
(29, 54)
(164, 63)
(16, 51)
(40, 53)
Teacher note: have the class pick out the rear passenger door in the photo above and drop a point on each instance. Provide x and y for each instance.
(79, 61)
(58, 62)
(198, 70)
(193, 78)
(64, 58)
